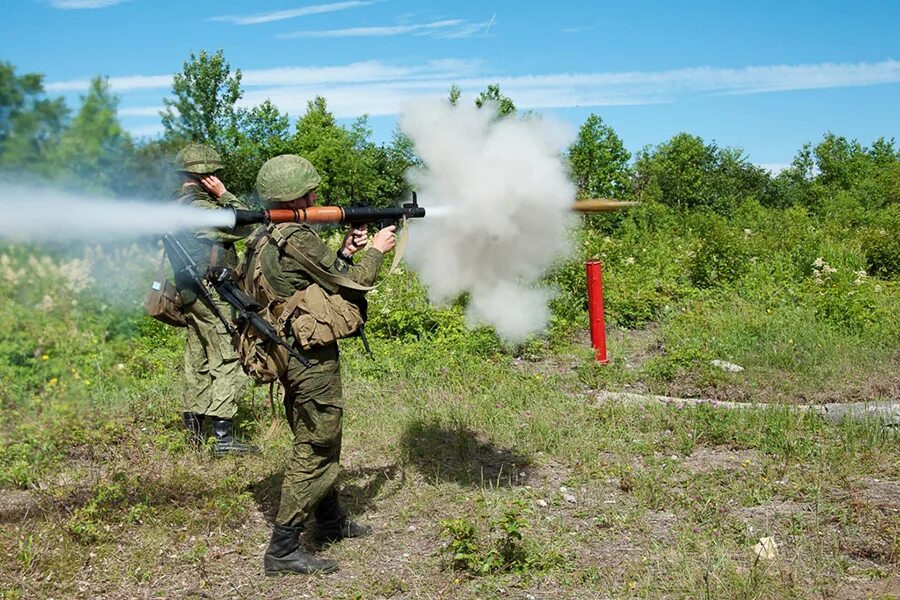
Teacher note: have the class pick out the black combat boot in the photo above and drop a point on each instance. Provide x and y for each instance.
(284, 555)
(194, 425)
(332, 523)
(223, 430)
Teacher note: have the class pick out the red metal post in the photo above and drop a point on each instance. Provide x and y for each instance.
(594, 269)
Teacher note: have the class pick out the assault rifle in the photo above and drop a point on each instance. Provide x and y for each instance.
(330, 214)
(220, 278)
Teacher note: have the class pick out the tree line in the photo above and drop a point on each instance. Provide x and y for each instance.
(42, 137)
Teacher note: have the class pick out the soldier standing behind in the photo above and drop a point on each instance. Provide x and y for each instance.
(281, 260)
(212, 370)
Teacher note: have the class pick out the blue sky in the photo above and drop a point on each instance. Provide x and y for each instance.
(764, 76)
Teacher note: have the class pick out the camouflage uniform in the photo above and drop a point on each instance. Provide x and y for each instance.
(313, 397)
(212, 370)
(313, 400)
(211, 367)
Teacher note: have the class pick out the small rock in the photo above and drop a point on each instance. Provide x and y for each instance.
(766, 549)
(411, 528)
(542, 503)
(563, 490)
(726, 366)
(569, 498)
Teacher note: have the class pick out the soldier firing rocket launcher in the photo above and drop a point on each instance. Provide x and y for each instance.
(318, 215)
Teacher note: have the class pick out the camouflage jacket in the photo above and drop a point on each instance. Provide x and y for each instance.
(201, 243)
(286, 275)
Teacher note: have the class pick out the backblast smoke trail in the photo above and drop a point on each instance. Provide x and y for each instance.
(41, 214)
(505, 198)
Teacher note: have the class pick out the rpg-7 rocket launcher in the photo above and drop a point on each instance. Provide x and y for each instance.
(318, 215)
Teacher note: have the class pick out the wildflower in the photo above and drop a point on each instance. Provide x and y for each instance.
(45, 304)
(45, 357)
(629, 260)
(819, 262)
(54, 381)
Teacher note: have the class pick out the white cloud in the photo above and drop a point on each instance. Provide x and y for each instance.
(293, 13)
(379, 88)
(82, 4)
(448, 28)
(141, 111)
(358, 72)
(117, 84)
(149, 130)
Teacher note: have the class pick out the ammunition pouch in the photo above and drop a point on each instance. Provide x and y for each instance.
(310, 318)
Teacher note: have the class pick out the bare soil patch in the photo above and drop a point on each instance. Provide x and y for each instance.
(705, 459)
(18, 505)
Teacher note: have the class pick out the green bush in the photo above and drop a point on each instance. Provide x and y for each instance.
(722, 255)
(881, 243)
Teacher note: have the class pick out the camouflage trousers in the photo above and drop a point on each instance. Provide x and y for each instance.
(212, 370)
(314, 409)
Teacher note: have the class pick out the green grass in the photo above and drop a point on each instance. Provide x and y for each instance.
(457, 446)
(470, 444)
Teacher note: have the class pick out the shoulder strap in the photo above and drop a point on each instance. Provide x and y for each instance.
(161, 271)
(321, 274)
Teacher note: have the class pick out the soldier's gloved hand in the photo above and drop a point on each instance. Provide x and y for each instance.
(355, 240)
(212, 184)
(385, 240)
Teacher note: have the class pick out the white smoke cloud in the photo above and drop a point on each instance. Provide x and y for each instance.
(43, 214)
(502, 199)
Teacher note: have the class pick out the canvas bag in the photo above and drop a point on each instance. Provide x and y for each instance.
(163, 302)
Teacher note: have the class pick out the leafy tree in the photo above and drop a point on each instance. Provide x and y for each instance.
(454, 94)
(204, 108)
(92, 149)
(337, 153)
(838, 172)
(685, 172)
(599, 161)
(29, 122)
(353, 169)
(677, 171)
(492, 96)
(841, 162)
(262, 132)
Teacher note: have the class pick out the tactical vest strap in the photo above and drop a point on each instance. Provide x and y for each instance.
(338, 281)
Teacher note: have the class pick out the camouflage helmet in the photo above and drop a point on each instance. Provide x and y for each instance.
(285, 178)
(198, 159)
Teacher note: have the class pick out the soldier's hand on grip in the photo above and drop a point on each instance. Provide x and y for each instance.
(355, 240)
(385, 240)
